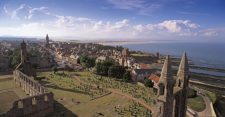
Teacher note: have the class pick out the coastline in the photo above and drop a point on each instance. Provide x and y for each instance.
(198, 69)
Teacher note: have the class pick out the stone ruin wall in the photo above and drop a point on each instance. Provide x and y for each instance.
(39, 104)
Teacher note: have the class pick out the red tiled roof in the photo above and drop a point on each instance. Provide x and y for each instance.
(154, 78)
(144, 66)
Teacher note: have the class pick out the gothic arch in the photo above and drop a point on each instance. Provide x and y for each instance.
(20, 104)
(34, 101)
(46, 98)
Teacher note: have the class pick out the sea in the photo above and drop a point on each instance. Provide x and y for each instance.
(201, 54)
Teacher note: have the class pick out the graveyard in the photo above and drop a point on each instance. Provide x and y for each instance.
(86, 94)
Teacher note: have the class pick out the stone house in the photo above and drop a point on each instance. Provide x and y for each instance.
(138, 75)
(74, 59)
(101, 59)
(155, 79)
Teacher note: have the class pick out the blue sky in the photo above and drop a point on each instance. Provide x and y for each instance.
(156, 20)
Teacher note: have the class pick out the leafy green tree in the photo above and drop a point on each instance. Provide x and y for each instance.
(103, 67)
(127, 76)
(87, 62)
(116, 71)
(15, 58)
(148, 82)
(191, 93)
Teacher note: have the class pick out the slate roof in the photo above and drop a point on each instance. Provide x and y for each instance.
(144, 71)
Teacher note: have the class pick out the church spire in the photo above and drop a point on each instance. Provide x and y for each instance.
(166, 73)
(183, 67)
(47, 41)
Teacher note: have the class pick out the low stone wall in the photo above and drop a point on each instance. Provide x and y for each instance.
(39, 104)
(34, 106)
(191, 112)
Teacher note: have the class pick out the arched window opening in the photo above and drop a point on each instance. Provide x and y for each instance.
(46, 98)
(34, 101)
(161, 90)
(20, 104)
(179, 83)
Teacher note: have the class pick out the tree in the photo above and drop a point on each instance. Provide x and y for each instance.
(15, 58)
(191, 93)
(103, 67)
(87, 62)
(148, 82)
(127, 76)
(116, 71)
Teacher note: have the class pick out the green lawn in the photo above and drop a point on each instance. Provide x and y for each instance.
(87, 99)
(9, 92)
(212, 96)
(196, 103)
(139, 54)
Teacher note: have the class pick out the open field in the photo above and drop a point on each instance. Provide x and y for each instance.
(77, 95)
(136, 54)
(9, 93)
(196, 103)
(7, 98)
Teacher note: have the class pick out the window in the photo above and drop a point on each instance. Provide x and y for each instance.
(20, 104)
(34, 101)
(46, 98)
(161, 90)
(179, 83)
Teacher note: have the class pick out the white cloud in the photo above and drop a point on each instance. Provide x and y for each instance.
(33, 10)
(211, 32)
(74, 27)
(70, 26)
(29, 11)
(177, 25)
(5, 9)
(120, 25)
(143, 7)
(138, 28)
(13, 14)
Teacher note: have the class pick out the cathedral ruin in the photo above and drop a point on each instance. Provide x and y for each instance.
(40, 101)
(172, 91)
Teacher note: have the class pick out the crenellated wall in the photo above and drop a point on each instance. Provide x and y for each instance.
(39, 104)
(34, 106)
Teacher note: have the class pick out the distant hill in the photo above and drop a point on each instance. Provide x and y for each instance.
(17, 38)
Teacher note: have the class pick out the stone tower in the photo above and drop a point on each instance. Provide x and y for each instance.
(47, 41)
(182, 82)
(23, 52)
(165, 91)
(25, 65)
(172, 90)
(125, 53)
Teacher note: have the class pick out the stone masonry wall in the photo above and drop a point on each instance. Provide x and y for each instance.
(39, 104)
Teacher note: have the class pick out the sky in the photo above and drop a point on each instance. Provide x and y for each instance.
(152, 20)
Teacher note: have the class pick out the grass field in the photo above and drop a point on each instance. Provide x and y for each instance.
(212, 96)
(7, 99)
(9, 93)
(196, 103)
(77, 95)
(139, 54)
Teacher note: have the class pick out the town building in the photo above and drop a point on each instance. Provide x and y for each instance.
(138, 75)
(47, 42)
(155, 79)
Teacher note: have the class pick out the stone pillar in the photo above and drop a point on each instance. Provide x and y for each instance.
(24, 84)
